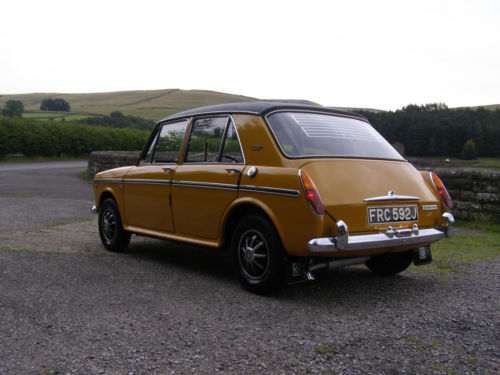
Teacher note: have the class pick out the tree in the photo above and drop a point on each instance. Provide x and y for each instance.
(13, 108)
(469, 150)
(56, 104)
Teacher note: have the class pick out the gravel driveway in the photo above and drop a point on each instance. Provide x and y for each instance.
(69, 307)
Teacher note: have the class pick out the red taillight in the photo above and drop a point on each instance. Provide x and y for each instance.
(443, 193)
(311, 193)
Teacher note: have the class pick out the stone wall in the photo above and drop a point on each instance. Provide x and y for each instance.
(475, 191)
(101, 160)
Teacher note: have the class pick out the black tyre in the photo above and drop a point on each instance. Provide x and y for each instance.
(258, 255)
(390, 264)
(113, 236)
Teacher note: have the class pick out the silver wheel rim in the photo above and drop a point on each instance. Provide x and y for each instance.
(253, 254)
(109, 224)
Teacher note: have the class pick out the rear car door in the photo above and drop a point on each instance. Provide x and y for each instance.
(207, 180)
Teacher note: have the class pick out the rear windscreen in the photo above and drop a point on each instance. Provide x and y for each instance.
(302, 134)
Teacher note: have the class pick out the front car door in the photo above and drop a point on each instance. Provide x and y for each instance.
(207, 180)
(147, 187)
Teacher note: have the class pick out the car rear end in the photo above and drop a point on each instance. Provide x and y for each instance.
(371, 200)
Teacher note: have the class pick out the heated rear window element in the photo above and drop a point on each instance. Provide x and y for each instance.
(303, 134)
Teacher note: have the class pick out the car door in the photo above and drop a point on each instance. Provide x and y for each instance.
(207, 180)
(147, 187)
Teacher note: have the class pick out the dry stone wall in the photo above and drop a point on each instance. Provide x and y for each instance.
(475, 191)
(102, 160)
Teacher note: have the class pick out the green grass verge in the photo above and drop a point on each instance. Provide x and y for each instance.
(454, 162)
(486, 163)
(473, 242)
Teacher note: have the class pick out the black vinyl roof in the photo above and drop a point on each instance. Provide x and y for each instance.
(256, 108)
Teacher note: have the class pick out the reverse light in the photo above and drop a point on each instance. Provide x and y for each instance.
(311, 193)
(443, 193)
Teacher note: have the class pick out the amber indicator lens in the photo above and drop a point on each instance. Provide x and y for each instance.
(441, 189)
(311, 193)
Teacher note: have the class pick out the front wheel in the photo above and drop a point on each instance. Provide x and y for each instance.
(258, 255)
(390, 264)
(113, 236)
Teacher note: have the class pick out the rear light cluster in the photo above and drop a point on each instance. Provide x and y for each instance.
(443, 193)
(311, 193)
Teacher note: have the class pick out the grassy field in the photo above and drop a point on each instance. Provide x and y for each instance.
(473, 242)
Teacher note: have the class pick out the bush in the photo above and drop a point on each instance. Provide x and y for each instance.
(116, 119)
(50, 139)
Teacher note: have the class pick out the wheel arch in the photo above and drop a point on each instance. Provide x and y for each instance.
(105, 195)
(110, 193)
(239, 210)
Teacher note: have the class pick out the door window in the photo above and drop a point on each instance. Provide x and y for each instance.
(214, 140)
(167, 145)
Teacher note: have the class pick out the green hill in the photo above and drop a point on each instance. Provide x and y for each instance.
(152, 104)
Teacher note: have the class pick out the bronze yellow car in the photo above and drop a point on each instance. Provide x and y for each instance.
(288, 189)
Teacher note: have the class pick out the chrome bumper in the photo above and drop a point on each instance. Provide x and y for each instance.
(389, 238)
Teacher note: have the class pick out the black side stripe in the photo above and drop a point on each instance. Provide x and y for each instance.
(208, 185)
(269, 190)
(147, 182)
(205, 185)
(108, 181)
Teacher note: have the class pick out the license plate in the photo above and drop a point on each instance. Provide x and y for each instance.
(394, 214)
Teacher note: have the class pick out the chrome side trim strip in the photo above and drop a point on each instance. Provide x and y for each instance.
(109, 181)
(147, 182)
(269, 190)
(207, 185)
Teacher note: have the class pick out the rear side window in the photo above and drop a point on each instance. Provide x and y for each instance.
(302, 134)
(214, 140)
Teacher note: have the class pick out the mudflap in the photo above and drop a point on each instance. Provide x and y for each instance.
(295, 270)
(422, 255)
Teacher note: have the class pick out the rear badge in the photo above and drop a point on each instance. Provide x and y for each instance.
(429, 207)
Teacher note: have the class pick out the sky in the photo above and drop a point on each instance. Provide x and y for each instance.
(373, 54)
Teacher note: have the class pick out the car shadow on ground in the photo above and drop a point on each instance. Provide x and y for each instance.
(188, 258)
(339, 285)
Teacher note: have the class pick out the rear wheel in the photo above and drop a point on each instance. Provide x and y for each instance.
(113, 236)
(390, 264)
(258, 255)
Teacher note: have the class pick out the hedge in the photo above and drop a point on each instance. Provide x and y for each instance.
(49, 139)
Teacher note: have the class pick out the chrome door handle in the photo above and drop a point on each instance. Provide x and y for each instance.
(168, 170)
(233, 170)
